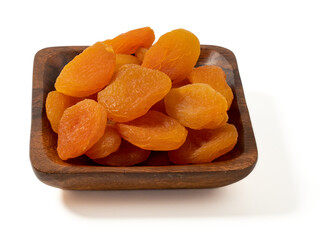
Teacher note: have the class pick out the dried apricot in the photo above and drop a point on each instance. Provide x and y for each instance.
(80, 127)
(196, 105)
(215, 77)
(213, 124)
(132, 92)
(130, 41)
(127, 155)
(203, 146)
(175, 53)
(56, 103)
(108, 143)
(88, 72)
(154, 131)
(140, 53)
(122, 59)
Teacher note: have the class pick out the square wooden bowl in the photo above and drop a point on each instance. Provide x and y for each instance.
(82, 174)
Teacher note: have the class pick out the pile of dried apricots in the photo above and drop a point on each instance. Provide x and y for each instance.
(123, 100)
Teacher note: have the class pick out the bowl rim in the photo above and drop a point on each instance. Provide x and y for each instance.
(247, 159)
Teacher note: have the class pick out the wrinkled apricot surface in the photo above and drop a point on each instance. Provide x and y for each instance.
(213, 124)
(127, 155)
(175, 53)
(88, 72)
(132, 92)
(122, 59)
(196, 106)
(130, 41)
(203, 146)
(108, 143)
(140, 53)
(154, 131)
(56, 103)
(215, 77)
(80, 127)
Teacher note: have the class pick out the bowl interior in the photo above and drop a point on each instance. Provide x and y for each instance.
(48, 64)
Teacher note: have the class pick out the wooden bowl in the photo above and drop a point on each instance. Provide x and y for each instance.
(82, 174)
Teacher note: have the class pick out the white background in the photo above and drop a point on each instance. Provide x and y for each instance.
(277, 48)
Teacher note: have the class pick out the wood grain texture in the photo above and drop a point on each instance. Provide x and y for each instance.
(82, 174)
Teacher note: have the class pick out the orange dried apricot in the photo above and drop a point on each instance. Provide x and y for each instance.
(203, 146)
(56, 103)
(130, 41)
(88, 72)
(127, 155)
(108, 143)
(132, 92)
(175, 53)
(122, 59)
(80, 127)
(213, 124)
(159, 106)
(154, 131)
(215, 77)
(140, 53)
(196, 106)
